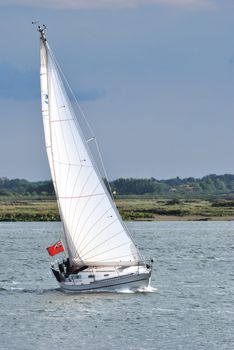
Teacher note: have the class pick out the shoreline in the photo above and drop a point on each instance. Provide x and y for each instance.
(186, 218)
(158, 219)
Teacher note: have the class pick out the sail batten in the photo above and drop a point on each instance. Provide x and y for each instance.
(91, 222)
(88, 195)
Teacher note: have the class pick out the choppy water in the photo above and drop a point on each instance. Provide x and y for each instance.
(192, 309)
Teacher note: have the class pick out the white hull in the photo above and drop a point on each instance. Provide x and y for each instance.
(102, 279)
(111, 285)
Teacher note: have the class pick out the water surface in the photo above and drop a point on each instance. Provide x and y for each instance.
(191, 309)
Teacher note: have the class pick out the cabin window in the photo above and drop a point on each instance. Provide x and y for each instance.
(106, 274)
(90, 276)
(76, 276)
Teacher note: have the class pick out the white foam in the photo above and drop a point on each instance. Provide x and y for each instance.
(124, 290)
(148, 289)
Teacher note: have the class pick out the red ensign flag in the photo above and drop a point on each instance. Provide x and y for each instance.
(56, 248)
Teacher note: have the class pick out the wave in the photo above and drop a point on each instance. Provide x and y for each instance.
(148, 289)
(28, 290)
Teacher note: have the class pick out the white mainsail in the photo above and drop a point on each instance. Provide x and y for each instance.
(94, 232)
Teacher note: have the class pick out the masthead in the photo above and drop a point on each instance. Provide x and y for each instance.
(41, 30)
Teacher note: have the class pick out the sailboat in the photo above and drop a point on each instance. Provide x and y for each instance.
(100, 254)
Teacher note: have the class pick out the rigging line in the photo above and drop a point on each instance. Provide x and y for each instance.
(66, 186)
(69, 106)
(90, 229)
(63, 96)
(86, 121)
(76, 204)
(109, 195)
(129, 234)
(99, 154)
(106, 240)
(88, 125)
(74, 97)
(109, 250)
(90, 214)
(87, 233)
(57, 92)
(70, 109)
(60, 97)
(104, 169)
(80, 194)
(93, 238)
(81, 213)
(118, 214)
(73, 190)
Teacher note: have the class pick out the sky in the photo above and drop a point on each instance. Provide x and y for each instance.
(155, 79)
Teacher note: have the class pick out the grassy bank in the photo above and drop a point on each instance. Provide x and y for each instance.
(130, 209)
(29, 210)
(142, 209)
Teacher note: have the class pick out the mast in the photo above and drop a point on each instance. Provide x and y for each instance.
(93, 229)
(41, 30)
(46, 119)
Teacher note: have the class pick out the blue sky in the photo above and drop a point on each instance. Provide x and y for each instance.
(155, 78)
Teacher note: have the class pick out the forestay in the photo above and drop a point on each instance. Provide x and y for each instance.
(94, 232)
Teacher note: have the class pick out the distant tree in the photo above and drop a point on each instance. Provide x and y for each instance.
(210, 185)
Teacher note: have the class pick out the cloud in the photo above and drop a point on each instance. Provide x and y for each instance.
(24, 85)
(72, 4)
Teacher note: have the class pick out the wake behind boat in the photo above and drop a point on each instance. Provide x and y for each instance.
(100, 252)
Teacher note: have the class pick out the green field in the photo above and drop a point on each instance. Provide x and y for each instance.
(208, 198)
(29, 210)
(130, 209)
(143, 209)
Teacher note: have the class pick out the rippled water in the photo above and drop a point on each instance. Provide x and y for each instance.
(192, 308)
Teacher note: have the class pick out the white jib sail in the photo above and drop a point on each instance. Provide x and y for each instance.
(94, 232)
